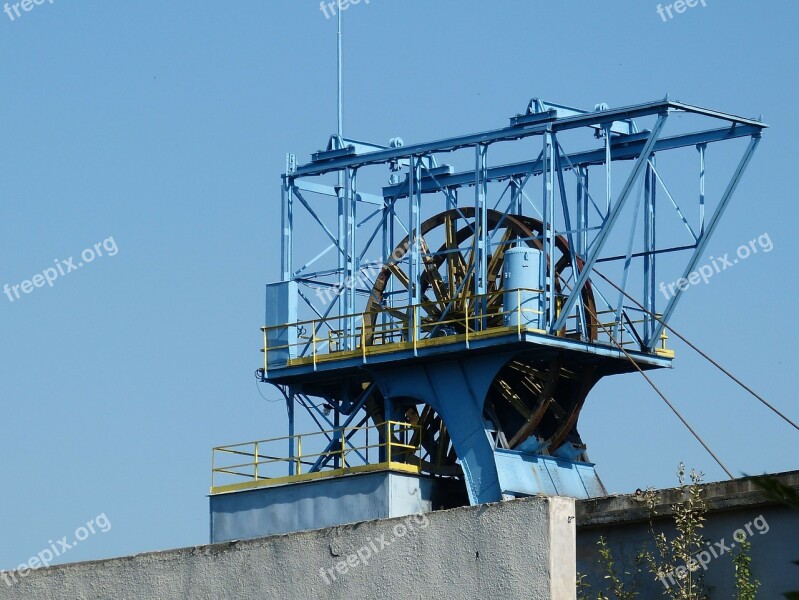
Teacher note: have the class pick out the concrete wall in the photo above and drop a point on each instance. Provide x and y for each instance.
(516, 549)
(773, 531)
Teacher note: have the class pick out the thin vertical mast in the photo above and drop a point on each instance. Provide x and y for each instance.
(340, 75)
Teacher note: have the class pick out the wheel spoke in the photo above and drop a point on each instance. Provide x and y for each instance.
(456, 266)
(433, 276)
(399, 274)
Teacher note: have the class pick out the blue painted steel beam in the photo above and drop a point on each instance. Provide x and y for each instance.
(290, 411)
(325, 456)
(546, 268)
(481, 224)
(287, 224)
(650, 248)
(705, 239)
(330, 426)
(515, 133)
(529, 342)
(626, 270)
(329, 190)
(539, 106)
(414, 248)
(640, 254)
(582, 211)
(621, 149)
(559, 167)
(607, 226)
(351, 187)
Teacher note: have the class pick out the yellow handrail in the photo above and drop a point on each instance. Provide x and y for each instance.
(257, 462)
(387, 333)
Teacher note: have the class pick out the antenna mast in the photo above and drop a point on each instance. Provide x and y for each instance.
(340, 94)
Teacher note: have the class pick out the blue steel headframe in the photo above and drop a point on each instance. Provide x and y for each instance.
(580, 233)
(622, 143)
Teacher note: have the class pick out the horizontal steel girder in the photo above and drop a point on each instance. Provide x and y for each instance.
(515, 133)
(622, 148)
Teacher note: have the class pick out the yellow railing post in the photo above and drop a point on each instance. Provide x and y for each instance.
(408, 443)
(299, 455)
(388, 441)
(213, 467)
(413, 325)
(313, 342)
(363, 336)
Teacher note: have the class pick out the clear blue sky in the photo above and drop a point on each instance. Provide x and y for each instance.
(164, 125)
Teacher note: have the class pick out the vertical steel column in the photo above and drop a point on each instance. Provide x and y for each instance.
(515, 197)
(553, 306)
(548, 254)
(610, 221)
(351, 281)
(581, 243)
(567, 225)
(386, 226)
(451, 199)
(290, 410)
(582, 211)
(546, 217)
(481, 230)
(701, 148)
(287, 219)
(608, 170)
(389, 246)
(414, 233)
(336, 433)
(343, 259)
(650, 245)
(340, 80)
(341, 248)
(286, 267)
(386, 231)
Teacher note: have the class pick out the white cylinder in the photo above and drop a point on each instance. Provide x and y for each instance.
(520, 273)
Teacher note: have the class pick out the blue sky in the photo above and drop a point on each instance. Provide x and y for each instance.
(164, 126)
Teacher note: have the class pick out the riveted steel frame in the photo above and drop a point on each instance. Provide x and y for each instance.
(572, 212)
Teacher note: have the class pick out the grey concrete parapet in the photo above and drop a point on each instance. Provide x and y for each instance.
(516, 549)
